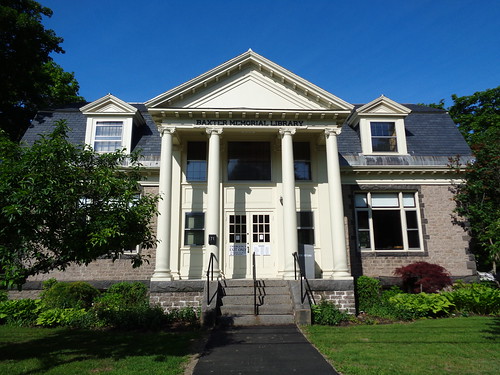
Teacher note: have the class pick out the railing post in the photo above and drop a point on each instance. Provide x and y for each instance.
(255, 311)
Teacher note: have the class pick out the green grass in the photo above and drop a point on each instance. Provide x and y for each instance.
(439, 346)
(62, 351)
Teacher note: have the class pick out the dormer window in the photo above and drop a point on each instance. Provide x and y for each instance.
(110, 124)
(108, 136)
(384, 138)
(380, 125)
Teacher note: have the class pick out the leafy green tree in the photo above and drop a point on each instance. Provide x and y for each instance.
(30, 79)
(478, 198)
(63, 204)
(477, 115)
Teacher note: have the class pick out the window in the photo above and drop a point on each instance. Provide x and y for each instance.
(302, 161)
(196, 166)
(305, 228)
(383, 136)
(194, 229)
(387, 221)
(249, 161)
(108, 136)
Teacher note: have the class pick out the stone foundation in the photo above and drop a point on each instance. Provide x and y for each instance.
(172, 295)
(340, 292)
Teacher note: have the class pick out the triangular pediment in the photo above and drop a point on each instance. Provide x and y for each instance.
(383, 106)
(109, 105)
(252, 82)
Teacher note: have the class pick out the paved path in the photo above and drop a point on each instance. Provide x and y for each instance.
(272, 350)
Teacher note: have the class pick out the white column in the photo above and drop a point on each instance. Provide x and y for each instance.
(213, 197)
(289, 208)
(340, 268)
(162, 269)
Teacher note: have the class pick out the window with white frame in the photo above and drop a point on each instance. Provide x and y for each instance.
(383, 136)
(302, 161)
(108, 136)
(196, 165)
(388, 221)
(194, 229)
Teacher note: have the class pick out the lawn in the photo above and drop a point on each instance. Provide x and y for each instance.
(62, 351)
(435, 346)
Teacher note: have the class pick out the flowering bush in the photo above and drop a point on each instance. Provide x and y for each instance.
(423, 277)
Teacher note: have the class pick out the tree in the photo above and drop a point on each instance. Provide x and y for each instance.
(62, 204)
(477, 114)
(31, 80)
(478, 197)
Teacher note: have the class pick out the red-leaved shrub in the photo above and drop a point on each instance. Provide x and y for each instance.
(423, 277)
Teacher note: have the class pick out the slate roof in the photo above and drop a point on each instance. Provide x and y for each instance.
(431, 136)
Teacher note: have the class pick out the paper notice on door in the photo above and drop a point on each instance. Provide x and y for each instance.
(262, 249)
(237, 250)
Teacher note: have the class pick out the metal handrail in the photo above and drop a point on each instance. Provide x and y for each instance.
(210, 274)
(305, 290)
(254, 272)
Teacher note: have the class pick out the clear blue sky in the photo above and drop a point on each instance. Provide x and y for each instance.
(409, 50)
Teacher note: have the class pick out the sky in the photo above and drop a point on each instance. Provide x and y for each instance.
(412, 51)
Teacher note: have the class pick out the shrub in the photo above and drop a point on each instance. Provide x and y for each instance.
(185, 315)
(326, 313)
(423, 277)
(475, 298)
(122, 296)
(79, 295)
(4, 296)
(421, 305)
(74, 318)
(134, 317)
(368, 292)
(20, 312)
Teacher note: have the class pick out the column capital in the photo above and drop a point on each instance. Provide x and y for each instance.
(169, 130)
(216, 131)
(332, 131)
(285, 131)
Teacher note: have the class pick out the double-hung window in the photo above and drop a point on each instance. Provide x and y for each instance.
(249, 161)
(388, 222)
(108, 136)
(383, 136)
(194, 229)
(196, 165)
(302, 161)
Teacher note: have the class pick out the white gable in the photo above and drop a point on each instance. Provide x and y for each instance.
(109, 104)
(249, 89)
(383, 105)
(249, 81)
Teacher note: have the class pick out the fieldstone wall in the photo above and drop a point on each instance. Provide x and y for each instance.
(177, 294)
(340, 292)
(445, 243)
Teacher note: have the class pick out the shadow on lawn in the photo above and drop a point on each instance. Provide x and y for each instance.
(493, 330)
(59, 347)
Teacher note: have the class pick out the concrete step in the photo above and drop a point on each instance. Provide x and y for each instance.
(255, 320)
(249, 282)
(249, 309)
(246, 291)
(261, 299)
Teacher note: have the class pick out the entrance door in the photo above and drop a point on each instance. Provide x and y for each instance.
(249, 233)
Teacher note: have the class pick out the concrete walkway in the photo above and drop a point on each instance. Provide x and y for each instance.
(272, 350)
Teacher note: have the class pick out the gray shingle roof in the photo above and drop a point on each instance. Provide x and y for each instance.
(431, 136)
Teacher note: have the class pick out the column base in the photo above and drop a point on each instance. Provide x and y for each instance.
(162, 276)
